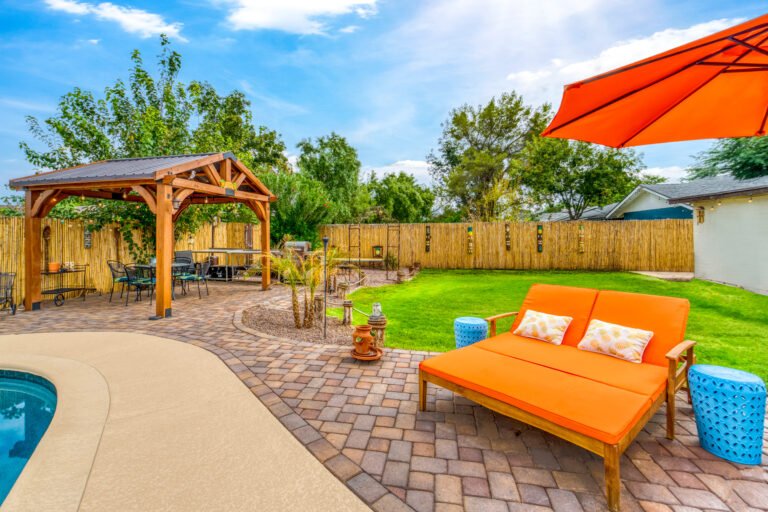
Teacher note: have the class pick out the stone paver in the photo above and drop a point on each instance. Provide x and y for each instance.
(361, 421)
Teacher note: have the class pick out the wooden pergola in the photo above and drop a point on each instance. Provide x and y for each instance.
(167, 184)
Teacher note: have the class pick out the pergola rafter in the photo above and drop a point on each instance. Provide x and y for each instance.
(167, 185)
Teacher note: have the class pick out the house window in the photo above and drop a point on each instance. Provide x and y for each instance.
(700, 214)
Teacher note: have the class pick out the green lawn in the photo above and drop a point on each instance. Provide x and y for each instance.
(731, 325)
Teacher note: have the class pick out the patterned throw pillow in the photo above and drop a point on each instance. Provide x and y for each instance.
(544, 327)
(616, 340)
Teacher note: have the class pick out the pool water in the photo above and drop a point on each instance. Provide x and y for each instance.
(27, 403)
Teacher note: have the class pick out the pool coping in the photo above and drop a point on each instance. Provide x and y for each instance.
(173, 429)
(71, 440)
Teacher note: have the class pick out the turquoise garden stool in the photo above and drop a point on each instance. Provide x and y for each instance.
(469, 330)
(729, 406)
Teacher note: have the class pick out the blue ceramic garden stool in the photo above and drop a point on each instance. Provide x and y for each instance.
(729, 406)
(469, 330)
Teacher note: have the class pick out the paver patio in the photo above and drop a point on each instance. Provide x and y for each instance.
(361, 421)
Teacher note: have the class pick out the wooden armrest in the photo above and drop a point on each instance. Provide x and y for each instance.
(677, 351)
(492, 321)
(677, 375)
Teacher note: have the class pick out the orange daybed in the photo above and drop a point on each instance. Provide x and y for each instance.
(593, 400)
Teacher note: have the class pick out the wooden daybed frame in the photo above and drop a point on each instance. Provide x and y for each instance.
(680, 359)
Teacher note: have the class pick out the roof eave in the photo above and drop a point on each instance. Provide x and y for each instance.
(721, 195)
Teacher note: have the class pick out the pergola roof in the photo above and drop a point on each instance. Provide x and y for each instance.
(105, 170)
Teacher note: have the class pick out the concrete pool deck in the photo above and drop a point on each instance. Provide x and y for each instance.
(148, 423)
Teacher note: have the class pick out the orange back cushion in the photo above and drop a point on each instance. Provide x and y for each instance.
(563, 301)
(665, 316)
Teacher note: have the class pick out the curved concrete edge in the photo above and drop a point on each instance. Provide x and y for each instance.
(72, 439)
(182, 432)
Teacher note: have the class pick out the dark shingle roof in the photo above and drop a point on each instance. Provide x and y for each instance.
(590, 213)
(126, 168)
(717, 187)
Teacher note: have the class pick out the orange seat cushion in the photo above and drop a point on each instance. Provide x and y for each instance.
(591, 408)
(665, 316)
(562, 301)
(644, 379)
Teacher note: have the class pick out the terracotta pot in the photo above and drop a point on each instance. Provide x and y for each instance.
(362, 339)
(54, 267)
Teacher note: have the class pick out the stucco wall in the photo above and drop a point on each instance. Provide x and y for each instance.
(731, 245)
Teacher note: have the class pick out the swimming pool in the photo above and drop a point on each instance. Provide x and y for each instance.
(27, 403)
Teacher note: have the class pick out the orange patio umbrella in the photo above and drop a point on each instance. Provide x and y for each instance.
(714, 87)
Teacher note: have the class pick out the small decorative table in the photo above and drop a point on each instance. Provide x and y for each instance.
(469, 330)
(729, 406)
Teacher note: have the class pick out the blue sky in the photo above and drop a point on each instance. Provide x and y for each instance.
(383, 73)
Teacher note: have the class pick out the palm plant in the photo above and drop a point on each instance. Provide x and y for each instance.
(290, 266)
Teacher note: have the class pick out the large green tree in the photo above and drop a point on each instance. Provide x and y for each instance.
(303, 206)
(476, 166)
(398, 198)
(743, 158)
(331, 161)
(149, 115)
(573, 175)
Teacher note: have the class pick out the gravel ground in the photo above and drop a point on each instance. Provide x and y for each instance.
(277, 321)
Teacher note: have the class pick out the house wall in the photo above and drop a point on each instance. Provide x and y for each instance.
(650, 206)
(730, 246)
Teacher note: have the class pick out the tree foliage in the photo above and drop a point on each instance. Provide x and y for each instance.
(333, 162)
(150, 115)
(574, 175)
(303, 205)
(398, 198)
(743, 158)
(477, 164)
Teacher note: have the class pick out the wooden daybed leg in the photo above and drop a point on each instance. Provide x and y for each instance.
(422, 392)
(671, 390)
(612, 477)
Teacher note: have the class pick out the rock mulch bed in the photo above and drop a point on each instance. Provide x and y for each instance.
(276, 318)
(279, 322)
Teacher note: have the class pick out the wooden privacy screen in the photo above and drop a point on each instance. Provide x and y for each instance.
(67, 243)
(659, 245)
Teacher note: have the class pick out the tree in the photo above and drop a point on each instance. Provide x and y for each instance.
(334, 163)
(303, 206)
(399, 198)
(573, 175)
(149, 116)
(743, 158)
(476, 166)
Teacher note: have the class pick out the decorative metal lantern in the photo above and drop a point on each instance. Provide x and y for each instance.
(428, 239)
(507, 237)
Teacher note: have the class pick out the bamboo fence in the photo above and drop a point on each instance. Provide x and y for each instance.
(653, 245)
(64, 241)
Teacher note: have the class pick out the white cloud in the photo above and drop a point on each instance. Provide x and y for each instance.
(93, 41)
(26, 105)
(306, 17)
(286, 108)
(546, 83)
(419, 169)
(673, 173)
(132, 20)
(350, 29)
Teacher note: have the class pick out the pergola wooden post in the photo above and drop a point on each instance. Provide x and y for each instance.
(32, 279)
(168, 185)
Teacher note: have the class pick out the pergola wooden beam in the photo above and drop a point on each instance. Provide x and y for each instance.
(160, 182)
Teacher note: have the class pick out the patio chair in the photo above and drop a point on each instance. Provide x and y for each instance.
(117, 270)
(183, 266)
(201, 275)
(141, 279)
(6, 291)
